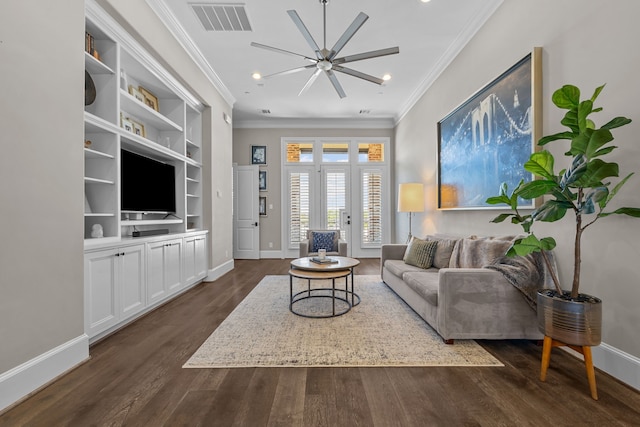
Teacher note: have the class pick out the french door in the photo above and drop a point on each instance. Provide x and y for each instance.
(348, 196)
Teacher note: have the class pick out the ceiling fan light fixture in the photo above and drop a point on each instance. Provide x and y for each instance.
(256, 76)
(386, 77)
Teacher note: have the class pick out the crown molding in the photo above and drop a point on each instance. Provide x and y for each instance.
(322, 123)
(472, 27)
(180, 34)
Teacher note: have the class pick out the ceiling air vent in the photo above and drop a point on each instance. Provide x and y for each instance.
(265, 111)
(222, 16)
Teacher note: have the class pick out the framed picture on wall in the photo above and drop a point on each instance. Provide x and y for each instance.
(485, 141)
(258, 154)
(262, 180)
(262, 206)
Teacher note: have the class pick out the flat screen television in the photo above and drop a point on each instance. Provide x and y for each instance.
(147, 185)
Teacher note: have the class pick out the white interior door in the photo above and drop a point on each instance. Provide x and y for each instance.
(246, 223)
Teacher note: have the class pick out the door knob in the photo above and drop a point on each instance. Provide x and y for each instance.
(256, 224)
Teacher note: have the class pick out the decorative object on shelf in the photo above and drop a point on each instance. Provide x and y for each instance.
(96, 231)
(126, 124)
(136, 93)
(484, 141)
(568, 318)
(149, 99)
(89, 89)
(188, 154)
(262, 180)
(87, 143)
(258, 154)
(410, 199)
(138, 129)
(124, 80)
(262, 206)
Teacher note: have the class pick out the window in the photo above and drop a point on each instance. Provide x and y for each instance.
(298, 152)
(335, 152)
(369, 152)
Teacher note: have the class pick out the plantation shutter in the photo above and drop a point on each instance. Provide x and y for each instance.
(371, 208)
(298, 206)
(335, 198)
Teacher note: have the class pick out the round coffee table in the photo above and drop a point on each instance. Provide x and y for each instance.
(305, 268)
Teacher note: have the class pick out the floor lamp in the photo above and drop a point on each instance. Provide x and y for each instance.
(410, 199)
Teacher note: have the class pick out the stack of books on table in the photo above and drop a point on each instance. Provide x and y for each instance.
(326, 260)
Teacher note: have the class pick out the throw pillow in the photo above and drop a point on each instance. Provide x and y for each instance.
(419, 253)
(443, 251)
(324, 240)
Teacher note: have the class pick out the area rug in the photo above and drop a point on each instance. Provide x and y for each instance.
(380, 331)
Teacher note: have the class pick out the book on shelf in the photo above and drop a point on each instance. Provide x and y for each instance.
(323, 261)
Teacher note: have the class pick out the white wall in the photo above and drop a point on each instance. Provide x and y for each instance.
(586, 43)
(41, 186)
(243, 139)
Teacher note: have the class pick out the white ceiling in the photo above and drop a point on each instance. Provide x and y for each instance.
(429, 36)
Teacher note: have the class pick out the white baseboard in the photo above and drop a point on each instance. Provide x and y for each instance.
(219, 271)
(618, 364)
(271, 254)
(615, 362)
(21, 381)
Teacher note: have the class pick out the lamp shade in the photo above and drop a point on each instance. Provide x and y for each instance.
(411, 197)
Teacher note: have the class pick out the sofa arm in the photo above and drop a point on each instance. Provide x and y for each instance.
(391, 251)
(481, 303)
(342, 247)
(304, 248)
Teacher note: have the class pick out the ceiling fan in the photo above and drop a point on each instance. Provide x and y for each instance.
(326, 60)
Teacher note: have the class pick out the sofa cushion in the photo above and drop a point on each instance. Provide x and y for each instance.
(420, 252)
(397, 267)
(476, 252)
(424, 283)
(443, 251)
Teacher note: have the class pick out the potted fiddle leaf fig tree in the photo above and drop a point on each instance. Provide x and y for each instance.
(584, 188)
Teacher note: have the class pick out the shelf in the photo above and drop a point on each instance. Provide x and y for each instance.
(192, 144)
(134, 222)
(192, 195)
(89, 180)
(192, 180)
(94, 124)
(86, 215)
(93, 154)
(95, 66)
(148, 116)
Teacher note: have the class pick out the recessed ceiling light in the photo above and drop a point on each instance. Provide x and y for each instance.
(425, 1)
(256, 76)
(386, 77)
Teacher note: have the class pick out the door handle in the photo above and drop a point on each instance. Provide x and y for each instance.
(256, 224)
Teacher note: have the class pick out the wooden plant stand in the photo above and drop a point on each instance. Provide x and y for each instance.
(585, 350)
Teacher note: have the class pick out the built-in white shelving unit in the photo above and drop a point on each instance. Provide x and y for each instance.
(141, 108)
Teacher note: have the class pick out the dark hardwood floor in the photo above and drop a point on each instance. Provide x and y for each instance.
(134, 378)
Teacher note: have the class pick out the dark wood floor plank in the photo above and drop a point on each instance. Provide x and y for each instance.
(135, 378)
(288, 401)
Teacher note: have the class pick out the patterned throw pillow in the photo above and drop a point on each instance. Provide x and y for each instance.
(324, 240)
(420, 253)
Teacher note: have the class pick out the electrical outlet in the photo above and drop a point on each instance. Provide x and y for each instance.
(270, 244)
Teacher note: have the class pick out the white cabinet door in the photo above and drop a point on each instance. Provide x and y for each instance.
(101, 290)
(164, 269)
(173, 265)
(195, 259)
(202, 264)
(156, 289)
(132, 280)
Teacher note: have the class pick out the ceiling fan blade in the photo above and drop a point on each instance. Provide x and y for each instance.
(291, 71)
(355, 26)
(336, 84)
(358, 74)
(286, 52)
(305, 33)
(367, 55)
(309, 82)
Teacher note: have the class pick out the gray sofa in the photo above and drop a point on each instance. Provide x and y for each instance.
(464, 299)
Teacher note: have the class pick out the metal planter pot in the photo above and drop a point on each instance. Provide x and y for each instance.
(571, 322)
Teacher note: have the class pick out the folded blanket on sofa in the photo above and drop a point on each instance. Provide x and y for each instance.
(525, 273)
